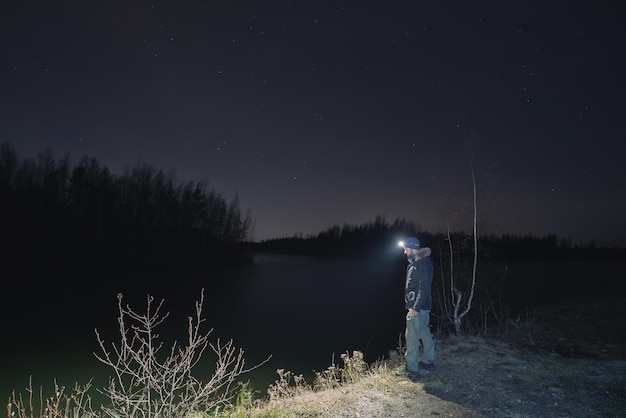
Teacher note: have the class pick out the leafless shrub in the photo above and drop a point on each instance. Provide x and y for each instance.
(147, 385)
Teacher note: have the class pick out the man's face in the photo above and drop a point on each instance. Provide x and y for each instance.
(408, 252)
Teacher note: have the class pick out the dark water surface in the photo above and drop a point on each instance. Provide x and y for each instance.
(302, 311)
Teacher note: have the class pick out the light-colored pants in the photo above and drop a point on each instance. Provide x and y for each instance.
(417, 329)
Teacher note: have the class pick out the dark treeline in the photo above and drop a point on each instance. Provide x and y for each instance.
(54, 212)
(373, 238)
(498, 294)
(364, 241)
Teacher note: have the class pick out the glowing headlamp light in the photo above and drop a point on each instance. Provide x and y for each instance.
(401, 244)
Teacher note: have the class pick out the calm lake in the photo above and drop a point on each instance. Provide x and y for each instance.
(304, 312)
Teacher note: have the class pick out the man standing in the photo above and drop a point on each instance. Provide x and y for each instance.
(418, 300)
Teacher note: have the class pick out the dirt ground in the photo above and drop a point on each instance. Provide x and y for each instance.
(568, 361)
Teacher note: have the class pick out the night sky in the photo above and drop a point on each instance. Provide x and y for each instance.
(320, 113)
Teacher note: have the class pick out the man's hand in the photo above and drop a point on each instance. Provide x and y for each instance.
(414, 312)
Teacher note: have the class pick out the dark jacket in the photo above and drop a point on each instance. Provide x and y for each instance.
(419, 279)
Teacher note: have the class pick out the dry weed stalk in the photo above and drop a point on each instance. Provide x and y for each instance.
(354, 369)
(60, 405)
(283, 387)
(145, 385)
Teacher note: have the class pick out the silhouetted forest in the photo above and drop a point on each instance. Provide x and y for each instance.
(56, 213)
(372, 239)
(499, 292)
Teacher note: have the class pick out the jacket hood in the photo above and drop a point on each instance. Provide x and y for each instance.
(422, 253)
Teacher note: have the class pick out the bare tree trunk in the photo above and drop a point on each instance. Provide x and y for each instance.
(468, 306)
(457, 295)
